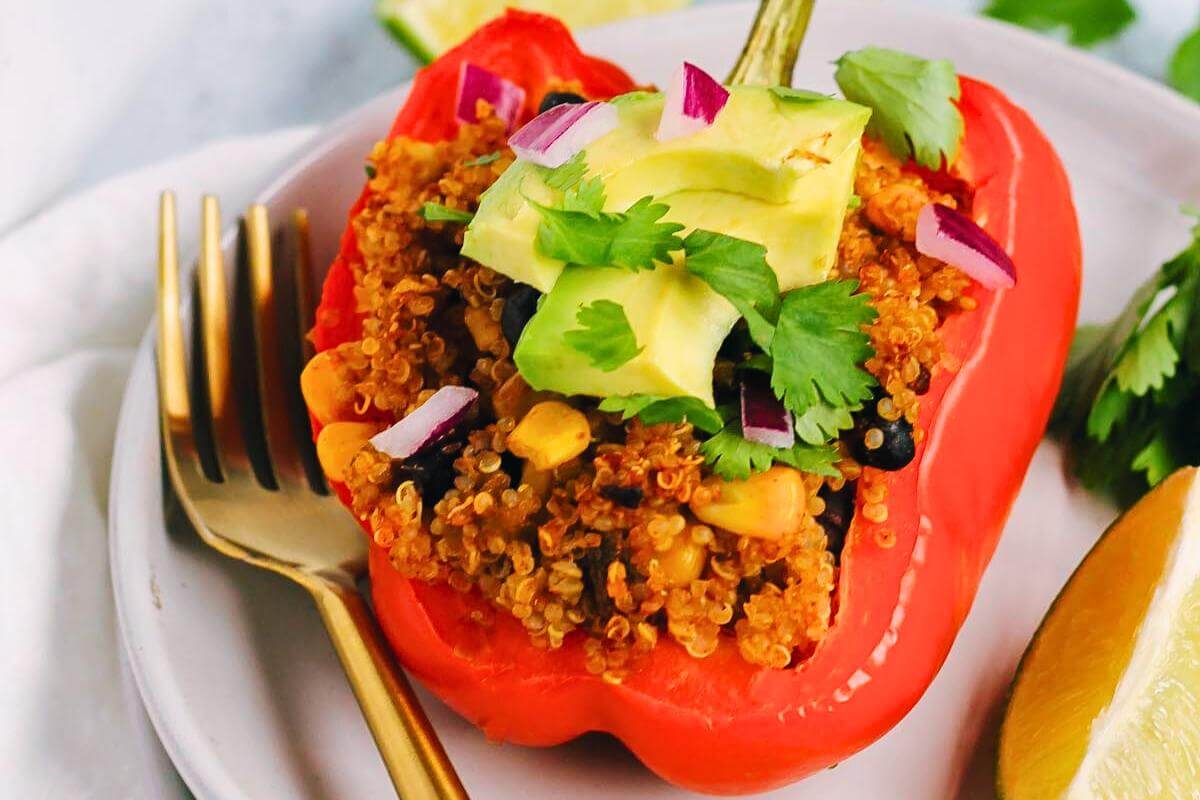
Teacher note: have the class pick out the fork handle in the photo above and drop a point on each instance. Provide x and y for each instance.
(415, 760)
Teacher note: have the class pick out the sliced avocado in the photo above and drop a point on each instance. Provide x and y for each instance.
(770, 170)
(675, 317)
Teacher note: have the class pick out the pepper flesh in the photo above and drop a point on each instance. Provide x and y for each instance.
(720, 724)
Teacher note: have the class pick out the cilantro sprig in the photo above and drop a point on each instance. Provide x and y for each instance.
(604, 335)
(1127, 407)
(912, 102)
(733, 457)
(652, 410)
(436, 212)
(634, 240)
(737, 270)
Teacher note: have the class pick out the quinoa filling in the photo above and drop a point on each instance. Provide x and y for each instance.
(609, 544)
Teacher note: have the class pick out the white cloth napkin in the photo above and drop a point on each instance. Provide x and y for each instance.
(76, 293)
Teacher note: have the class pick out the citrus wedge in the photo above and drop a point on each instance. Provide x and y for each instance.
(430, 27)
(1106, 702)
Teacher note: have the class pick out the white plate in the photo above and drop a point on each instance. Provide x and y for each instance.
(233, 664)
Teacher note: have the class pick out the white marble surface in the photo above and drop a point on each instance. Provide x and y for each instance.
(89, 90)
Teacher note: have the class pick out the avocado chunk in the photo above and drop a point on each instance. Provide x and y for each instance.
(770, 170)
(677, 320)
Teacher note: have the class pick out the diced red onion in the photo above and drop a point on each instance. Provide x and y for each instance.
(947, 235)
(764, 419)
(552, 137)
(476, 83)
(428, 424)
(693, 100)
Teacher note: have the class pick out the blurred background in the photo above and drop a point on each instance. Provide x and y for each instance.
(90, 90)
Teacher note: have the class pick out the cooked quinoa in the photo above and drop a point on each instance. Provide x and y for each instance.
(606, 544)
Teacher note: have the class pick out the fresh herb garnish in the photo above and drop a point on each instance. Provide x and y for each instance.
(370, 170)
(633, 240)
(821, 422)
(586, 196)
(653, 410)
(912, 102)
(605, 335)
(819, 345)
(1184, 70)
(790, 95)
(1087, 22)
(1127, 407)
(854, 202)
(436, 212)
(484, 160)
(738, 271)
(567, 174)
(735, 458)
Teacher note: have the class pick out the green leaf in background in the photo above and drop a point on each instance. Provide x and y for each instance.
(1087, 22)
(1184, 69)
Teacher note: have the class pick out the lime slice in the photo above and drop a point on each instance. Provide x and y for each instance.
(1106, 702)
(430, 27)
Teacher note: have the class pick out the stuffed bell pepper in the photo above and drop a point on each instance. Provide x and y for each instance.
(691, 414)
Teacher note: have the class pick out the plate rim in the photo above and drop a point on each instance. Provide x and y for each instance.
(183, 740)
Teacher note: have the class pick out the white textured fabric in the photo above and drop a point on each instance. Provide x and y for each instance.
(77, 293)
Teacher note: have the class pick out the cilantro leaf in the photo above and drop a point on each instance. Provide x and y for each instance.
(652, 410)
(436, 212)
(802, 96)
(1184, 70)
(819, 346)
(633, 240)
(1126, 411)
(567, 174)
(735, 458)
(605, 335)
(586, 196)
(484, 160)
(821, 423)
(1087, 22)
(912, 102)
(370, 170)
(737, 270)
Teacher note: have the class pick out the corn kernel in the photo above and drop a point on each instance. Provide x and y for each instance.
(339, 442)
(768, 505)
(683, 562)
(552, 433)
(318, 384)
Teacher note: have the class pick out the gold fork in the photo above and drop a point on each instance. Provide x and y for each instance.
(237, 448)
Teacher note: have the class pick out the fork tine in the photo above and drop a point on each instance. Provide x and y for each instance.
(229, 444)
(273, 384)
(175, 413)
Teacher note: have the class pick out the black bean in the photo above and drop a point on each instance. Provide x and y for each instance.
(838, 514)
(920, 384)
(627, 496)
(553, 99)
(595, 575)
(432, 471)
(519, 308)
(513, 467)
(897, 447)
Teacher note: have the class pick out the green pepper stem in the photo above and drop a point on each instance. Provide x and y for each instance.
(770, 52)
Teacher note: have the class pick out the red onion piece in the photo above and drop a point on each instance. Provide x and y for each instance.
(552, 137)
(476, 83)
(764, 419)
(693, 100)
(950, 236)
(428, 424)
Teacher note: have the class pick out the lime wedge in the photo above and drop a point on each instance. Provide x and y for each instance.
(1106, 702)
(430, 27)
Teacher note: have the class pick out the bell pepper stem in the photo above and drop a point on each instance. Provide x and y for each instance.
(770, 52)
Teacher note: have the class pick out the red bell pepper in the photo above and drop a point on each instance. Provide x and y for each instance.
(721, 724)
